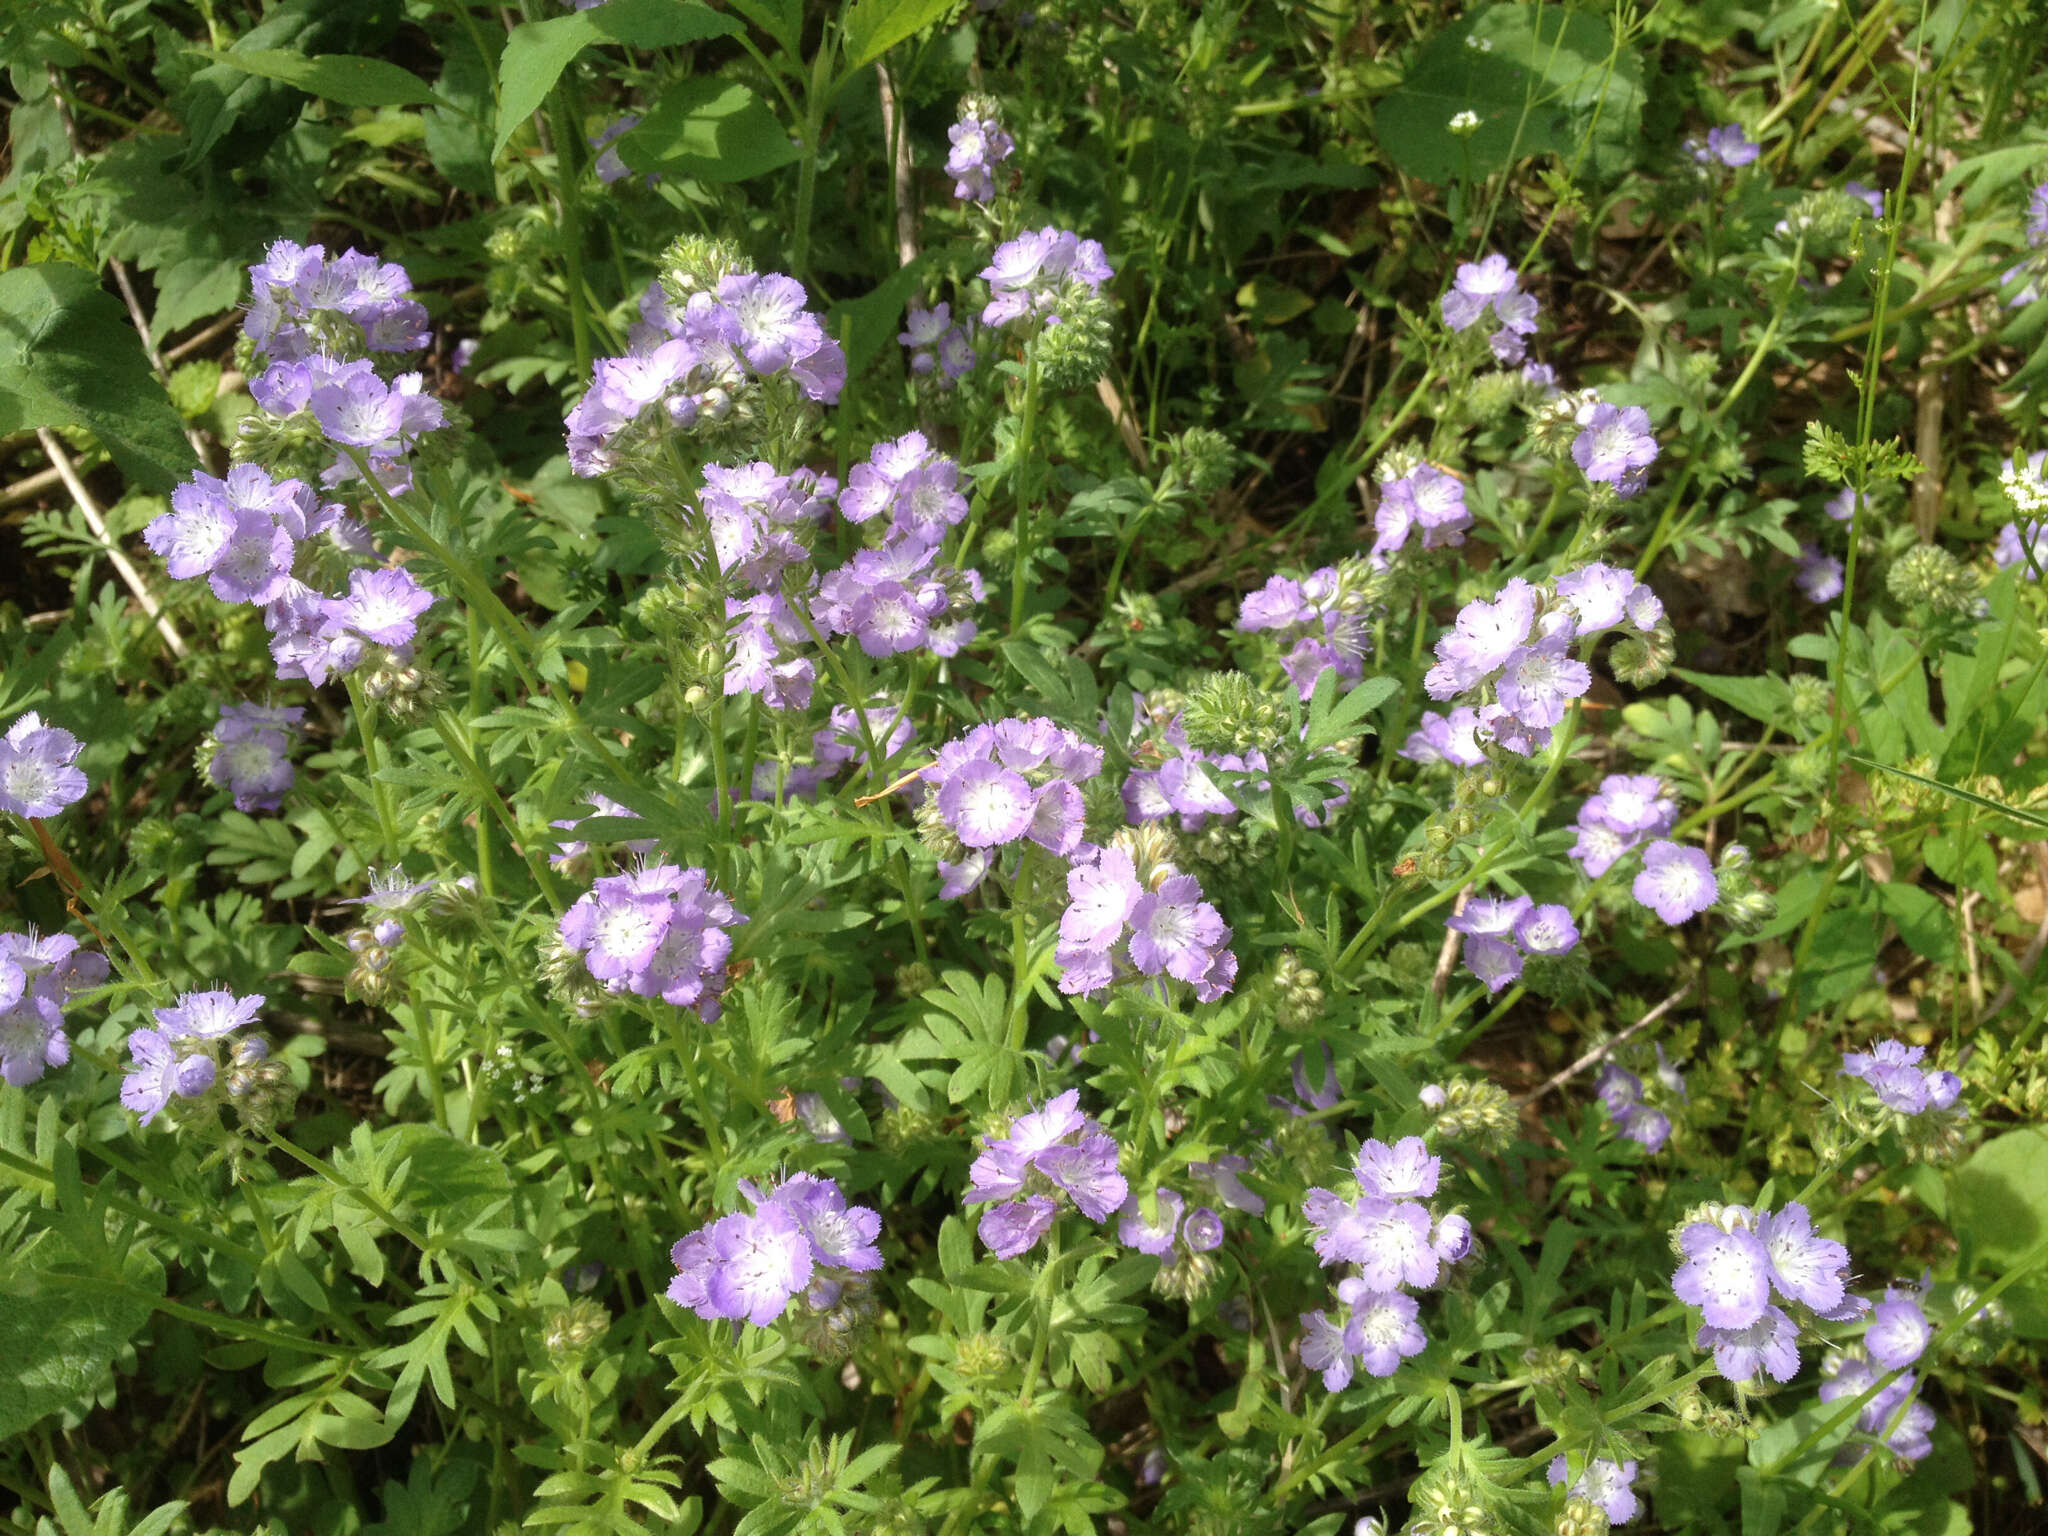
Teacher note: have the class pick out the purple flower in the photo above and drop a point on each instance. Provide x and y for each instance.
(1899, 1331)
(1770, 1344)
(1203, 1232)
(160, 1074)
(1451, 1238)
(1846, 1373)
(609, 167)
(1893, 1071)
(1031, 276)
(657, 931)
(1635, 805)
(979, 146)
(1490, 917)
(1621, 1091)
(383, 606)
(986, 804)
(1477, 287)
(1427, 498)
(1810, 1270)
(37, 978)
(1819, 575)
(207, 1015)
(1404, 1171)
(1615, 443)
(1329, 1348)
(751, 1266)
(1050, 1151)
(38, 776)
(1100, 898)
(1014, 1229)
(1175, 931)
(298, 295)
(1547, 930)
(1871, 197)
(1387, 1239)
(1385, 1327)
(1603, 596)
(1153, 1236)
(1494, 961)
(1726, 1274)
(250, 757)
(1484, 637)
(1609, 1484)
(1539, 682)
(1676, 882)
(1448, 738)
(1726, 145)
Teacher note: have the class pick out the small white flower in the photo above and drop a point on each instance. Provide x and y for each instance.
(1465, 122)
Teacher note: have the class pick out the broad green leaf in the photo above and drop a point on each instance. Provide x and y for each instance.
(537, 52)
(70, 357)
(2000, 1212)
(1768, 699)
(710, 130)
(348, 78)
(873, 27)
(1539, 79)
(61, 1326)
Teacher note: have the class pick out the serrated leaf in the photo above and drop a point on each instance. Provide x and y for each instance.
(69, 356)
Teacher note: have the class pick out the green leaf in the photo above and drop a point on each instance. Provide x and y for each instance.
(873, 27)
(537, 52)
(869, 323)
(1922, 920)
(70, 357)
(2000, 1212)
(1331, 722)
(1768, 699)
(1541, 80)
(711, 130)
(348, 78)
(61, 1326)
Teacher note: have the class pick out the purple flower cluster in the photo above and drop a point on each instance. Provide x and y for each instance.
(1047, 1153)
(1114, 923)
(690, 364)
(1396, 1242)
(1014, 780)
(754, 516)
(1607, 1483)
(1520, 644)
(935, 342)
(251, 753)
(906, 480)
(1726, 146)
(656, 931)
(241, 533)
(1031, 277)
(245, 533)
(1428, 498)
(1502, 931)
(39, 775)
(37, 978)
(304, 304)
(979, 146)
(1848, 1373)
(1185, 785)
(1492, 284)
(180, 1057)
(1893, 1071)
(1628, 809)
(1736, 1261)
(355, 407)
(800, 1238)
(1615, 446)
(1621, 1092)
(1322, 618)
(898, 598)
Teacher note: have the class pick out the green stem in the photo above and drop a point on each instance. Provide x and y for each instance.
(380, 792)
(1021, 483)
